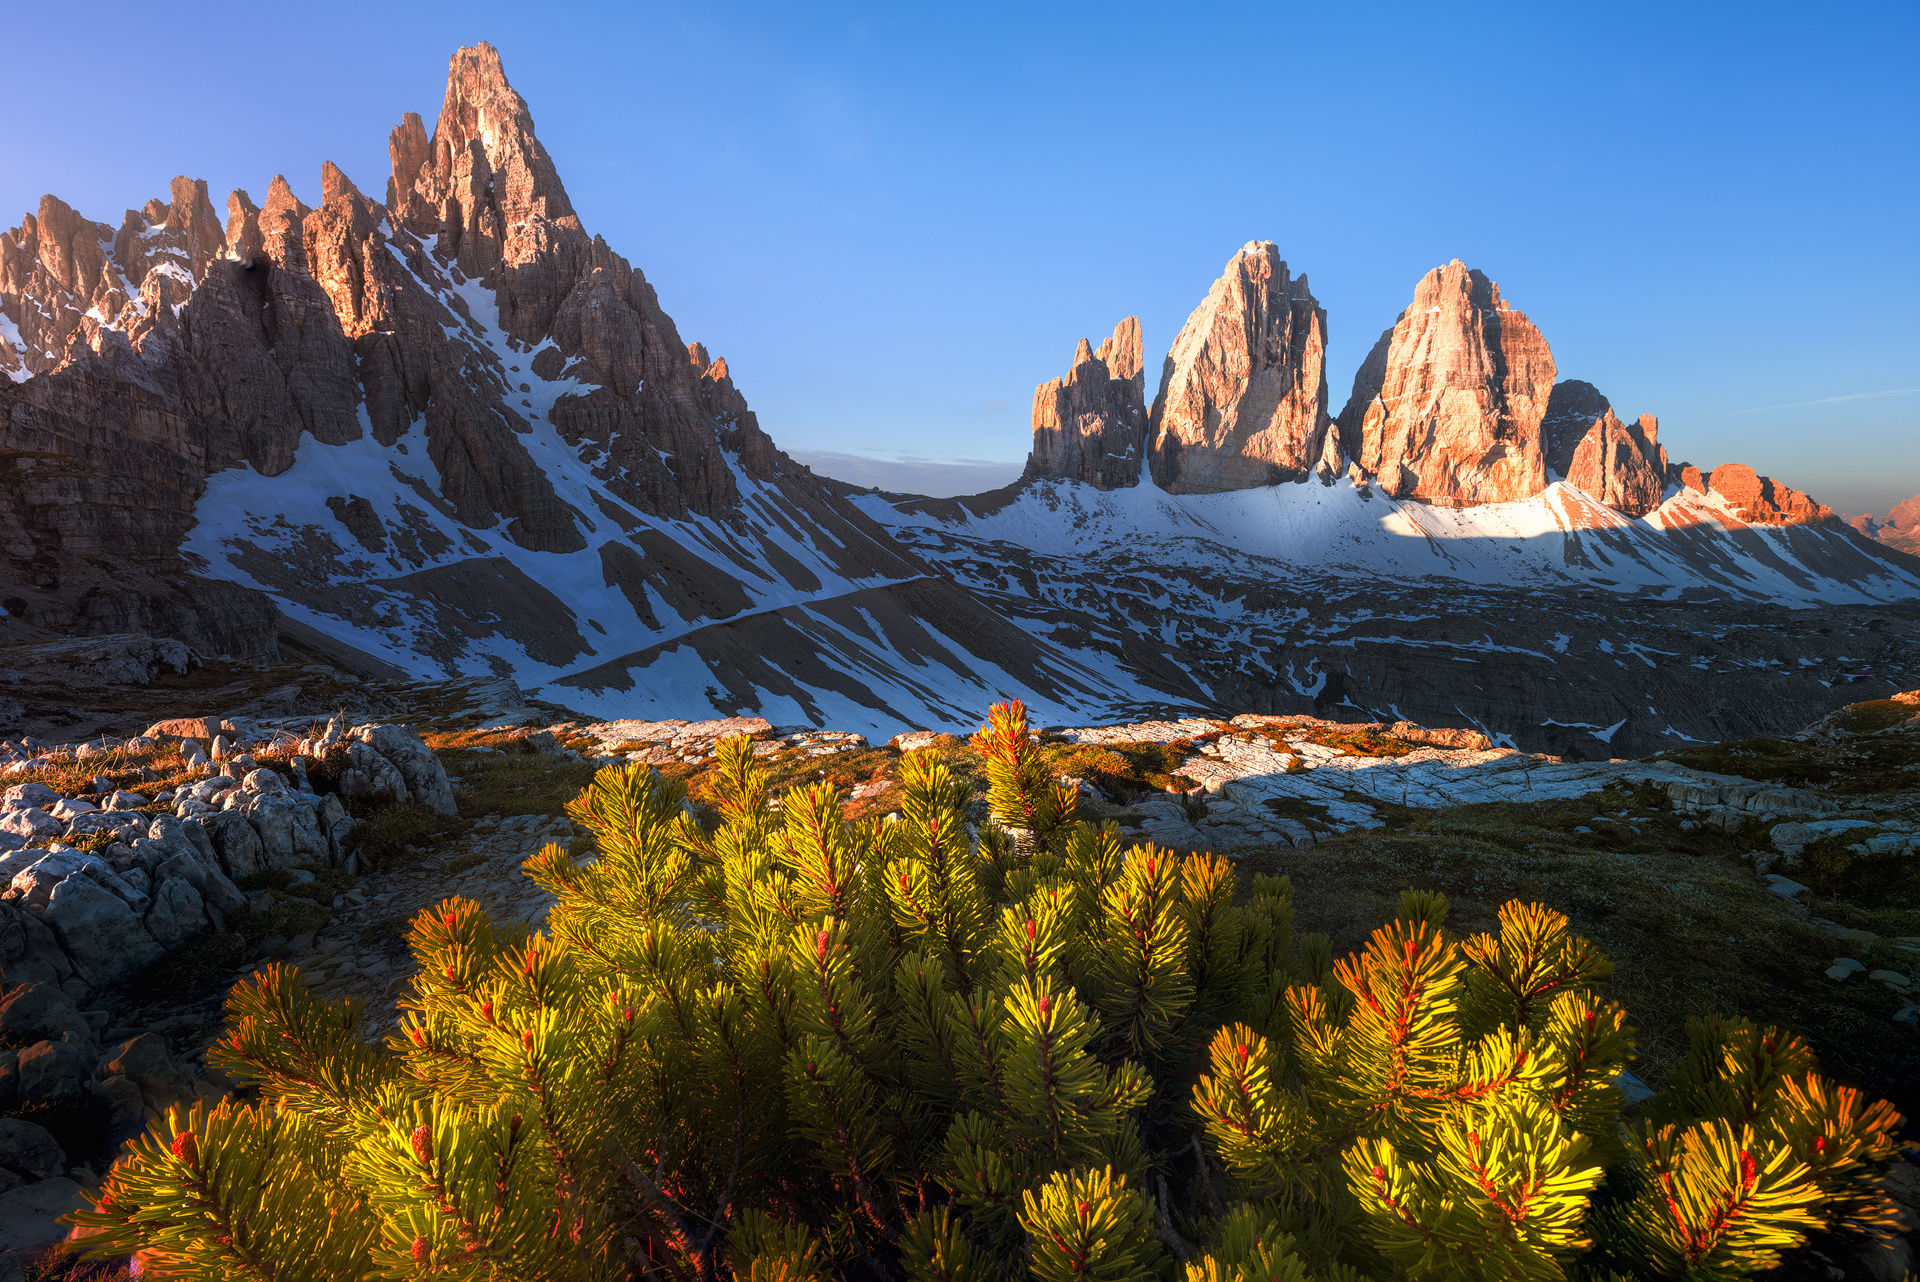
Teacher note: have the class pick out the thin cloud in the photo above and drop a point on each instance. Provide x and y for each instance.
(912, 475)
(1830, 400)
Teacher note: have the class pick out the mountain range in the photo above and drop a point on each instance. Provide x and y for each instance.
(451, 431)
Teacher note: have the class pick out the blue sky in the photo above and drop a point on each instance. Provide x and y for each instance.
(894, 220)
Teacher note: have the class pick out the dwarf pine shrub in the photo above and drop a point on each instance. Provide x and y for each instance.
(782, 1046)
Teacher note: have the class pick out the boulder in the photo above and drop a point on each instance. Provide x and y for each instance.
(178, 913)
(51, 1069)
(172, 830)
(148, 1062)
(290, 836)
(236, 843)
(100, 933)
(30, 1216)
(426, 778)
(191, 728)
(29, 951)
(31, 794)
(38, 1011)
(370, 777)
(266, 782)
(219, 893)
(29, 1150)
(32, 823)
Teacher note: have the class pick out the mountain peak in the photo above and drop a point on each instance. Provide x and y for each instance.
(1447, 406)
(1091, 424)
(1243, 394)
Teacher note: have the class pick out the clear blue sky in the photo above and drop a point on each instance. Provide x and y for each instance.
(894, 220)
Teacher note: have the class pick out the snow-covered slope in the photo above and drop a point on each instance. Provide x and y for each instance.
(1554, 624)
(1561, 537)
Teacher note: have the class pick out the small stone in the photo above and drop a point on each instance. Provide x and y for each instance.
(1857, 936)
(1893, 977)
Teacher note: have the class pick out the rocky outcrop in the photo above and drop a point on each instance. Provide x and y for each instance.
(1447, 407)
(1586, 445)
(1091, 425)
(1759, 500)
(1900, 530)
(1243, 393)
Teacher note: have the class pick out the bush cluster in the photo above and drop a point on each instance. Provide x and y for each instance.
(784, 1046)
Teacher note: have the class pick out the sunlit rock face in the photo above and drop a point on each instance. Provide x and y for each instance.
(1243, 393)
(1447, 407)
(1091, 425)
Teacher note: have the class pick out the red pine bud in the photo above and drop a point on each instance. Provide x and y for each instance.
(1242, 1051)
(419, 1250)
(820, 943)
(813, 1069)
(1084, 1209)
(417, 1037)
(1046, 1007)
(486, 1011)
(1152, 866)
(980, 1176)
(423, 1144)
(1820, 1144)
(451, 976)
(627, 1014)
(447, 921)
(513, 1128)
(1473, 1138)
(185, 1149)
(1379, 1172)
(1029, 931)
(526, 1040)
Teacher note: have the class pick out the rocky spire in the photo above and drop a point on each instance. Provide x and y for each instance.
(1446, 409)
(1243, 394)
(1092, 424)
(484, 174)
(1586, 445)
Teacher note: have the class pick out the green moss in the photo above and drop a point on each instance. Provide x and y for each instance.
(1833, 869)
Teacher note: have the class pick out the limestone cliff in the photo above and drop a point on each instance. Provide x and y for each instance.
(1243, 393)
(1091, 425)
(1586, 445)
(1447, 407)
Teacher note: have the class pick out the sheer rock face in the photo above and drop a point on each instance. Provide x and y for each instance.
(1585, 444)
(470, 327)
(1761, 500)
(1243, 394)
(1092, 424)
(1447, 407)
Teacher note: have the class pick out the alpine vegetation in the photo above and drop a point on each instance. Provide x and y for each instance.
(760, 1041)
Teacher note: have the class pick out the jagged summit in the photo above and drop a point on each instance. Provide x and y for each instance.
(453, 430)
(1243, 393)
(1091, 425)
(1446, 408)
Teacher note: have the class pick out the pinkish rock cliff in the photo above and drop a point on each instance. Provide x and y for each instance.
(1243, 394)
(1446, 409)
(1091, 425)
(1621, 464)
